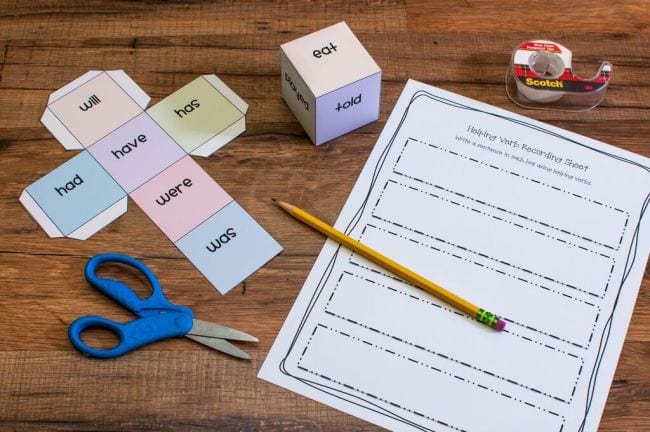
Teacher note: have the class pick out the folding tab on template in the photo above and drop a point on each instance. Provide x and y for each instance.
(202, 116)
(92, 106)
(75, 200)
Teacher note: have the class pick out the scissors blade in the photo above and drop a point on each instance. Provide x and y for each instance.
(220, 345)
(208, 329)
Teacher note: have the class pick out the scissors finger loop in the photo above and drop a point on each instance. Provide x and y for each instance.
(132, 335)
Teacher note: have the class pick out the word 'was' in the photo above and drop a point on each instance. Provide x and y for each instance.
(92, 101)
(129, 146)
(194, 104)
(221, 240)
(173, 192)
(69, 186)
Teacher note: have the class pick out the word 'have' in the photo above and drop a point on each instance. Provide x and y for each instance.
(129, 146)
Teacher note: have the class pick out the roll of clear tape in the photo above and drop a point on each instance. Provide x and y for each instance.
(548, 65)
(540, 76)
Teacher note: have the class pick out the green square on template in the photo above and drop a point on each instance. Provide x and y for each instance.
(195, 113)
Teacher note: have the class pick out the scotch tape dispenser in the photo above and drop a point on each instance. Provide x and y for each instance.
(540, 76)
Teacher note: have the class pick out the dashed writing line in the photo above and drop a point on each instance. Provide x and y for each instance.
(627, 214)
(504, 274)
(419, 363)
(498, 271)
(518, 175)
(440, 240)
(497, 218)
(429, 303)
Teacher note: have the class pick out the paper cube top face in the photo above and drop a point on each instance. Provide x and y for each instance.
(330, 58)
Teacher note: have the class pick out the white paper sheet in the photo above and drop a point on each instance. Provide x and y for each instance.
(540, 225)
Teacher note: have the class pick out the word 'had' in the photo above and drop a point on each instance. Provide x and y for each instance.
(69, 186)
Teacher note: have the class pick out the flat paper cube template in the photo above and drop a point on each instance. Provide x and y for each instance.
(145, 154)
(330, 82)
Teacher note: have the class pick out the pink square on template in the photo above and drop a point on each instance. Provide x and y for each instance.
(177, 215)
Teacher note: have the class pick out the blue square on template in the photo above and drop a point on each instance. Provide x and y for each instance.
(75, 192)
(228, 247)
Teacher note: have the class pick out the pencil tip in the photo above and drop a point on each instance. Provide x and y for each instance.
(274, 200)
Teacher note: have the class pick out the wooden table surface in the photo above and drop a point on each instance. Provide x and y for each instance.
(459, 45)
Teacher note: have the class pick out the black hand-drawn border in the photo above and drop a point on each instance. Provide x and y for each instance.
(604, 337)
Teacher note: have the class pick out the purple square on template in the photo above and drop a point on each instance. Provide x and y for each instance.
(136, 152)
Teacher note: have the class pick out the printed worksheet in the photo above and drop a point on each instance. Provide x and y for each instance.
(542, 226)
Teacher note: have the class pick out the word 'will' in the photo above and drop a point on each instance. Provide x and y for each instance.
(92, 101)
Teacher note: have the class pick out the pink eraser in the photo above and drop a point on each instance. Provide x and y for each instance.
(501, 324)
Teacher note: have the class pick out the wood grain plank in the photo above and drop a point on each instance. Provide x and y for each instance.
(77, 20)
(439, 55)
(173, 390)
(447, 64)
(550, 17)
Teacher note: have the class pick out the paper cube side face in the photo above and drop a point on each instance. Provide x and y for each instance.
(348, 108)
(202, 116)
(76, 199)
(90, 107)
(298, 96)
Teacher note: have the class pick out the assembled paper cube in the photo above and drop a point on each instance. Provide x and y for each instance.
(330, 82)
(145, 154)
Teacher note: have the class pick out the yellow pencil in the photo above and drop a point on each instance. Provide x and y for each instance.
(481, 315)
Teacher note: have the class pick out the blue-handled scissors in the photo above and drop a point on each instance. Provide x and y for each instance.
(158, 318)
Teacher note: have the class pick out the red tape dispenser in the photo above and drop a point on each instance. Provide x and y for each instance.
(540, 76)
